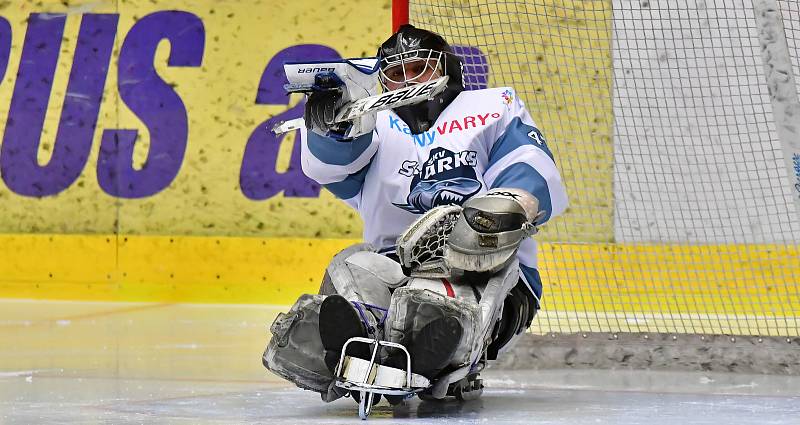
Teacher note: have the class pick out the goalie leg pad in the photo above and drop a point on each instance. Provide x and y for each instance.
(361, 275)
(519, 309)
(358, 283)
(295, 350)
(494, 296)
(357, 278)
(490, 293)
(436, 328)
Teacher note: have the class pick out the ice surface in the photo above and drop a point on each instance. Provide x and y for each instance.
(200, 364)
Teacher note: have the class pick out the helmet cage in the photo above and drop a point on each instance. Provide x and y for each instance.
(433, 60)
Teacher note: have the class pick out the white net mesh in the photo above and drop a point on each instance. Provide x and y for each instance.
(682, 217)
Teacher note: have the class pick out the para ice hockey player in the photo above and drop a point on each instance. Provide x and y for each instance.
(449, 191)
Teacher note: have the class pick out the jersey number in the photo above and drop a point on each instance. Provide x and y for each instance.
(536, 136)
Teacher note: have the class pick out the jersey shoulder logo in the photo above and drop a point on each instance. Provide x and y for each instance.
(508, 97)
(445, 178)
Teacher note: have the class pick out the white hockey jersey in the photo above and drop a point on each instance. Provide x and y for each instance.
(482, 140)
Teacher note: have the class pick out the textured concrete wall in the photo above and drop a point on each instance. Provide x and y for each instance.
(697, 155)
(713, 353)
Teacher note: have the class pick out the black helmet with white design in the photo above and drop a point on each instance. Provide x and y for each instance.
(414, 55)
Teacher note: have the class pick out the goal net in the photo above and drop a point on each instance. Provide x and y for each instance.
(676, 126)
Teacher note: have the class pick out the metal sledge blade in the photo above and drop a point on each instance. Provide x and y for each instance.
(391, 99)
(368, 377)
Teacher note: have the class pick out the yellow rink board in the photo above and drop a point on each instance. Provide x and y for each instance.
(162, 268)
(584, 279)
(240, 38)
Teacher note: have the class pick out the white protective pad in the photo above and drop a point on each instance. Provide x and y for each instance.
(365, 276)
(477, 306)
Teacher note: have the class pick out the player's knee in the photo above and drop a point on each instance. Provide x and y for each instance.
(360, 274)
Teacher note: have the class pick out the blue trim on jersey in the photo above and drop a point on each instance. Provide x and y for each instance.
(334, 152)
(534, 280)
(350, 186)
(523, 176)
(517, 134)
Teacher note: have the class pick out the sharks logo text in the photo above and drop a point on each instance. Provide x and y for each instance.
(445, 178)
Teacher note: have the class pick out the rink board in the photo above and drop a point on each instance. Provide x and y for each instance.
(632, 286)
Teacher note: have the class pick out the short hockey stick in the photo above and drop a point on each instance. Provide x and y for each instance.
(412, 94)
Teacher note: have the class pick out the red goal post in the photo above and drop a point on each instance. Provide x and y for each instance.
(399, 13)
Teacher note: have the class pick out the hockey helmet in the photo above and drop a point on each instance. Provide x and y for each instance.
(414, 55)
